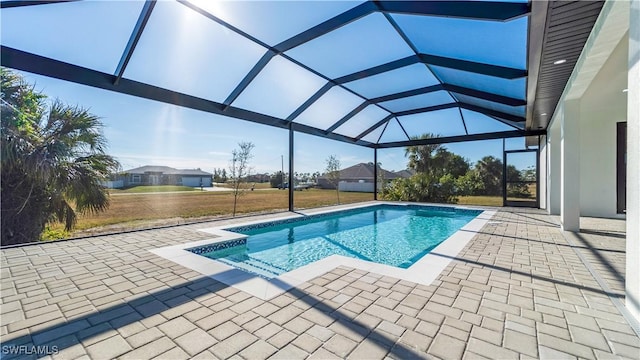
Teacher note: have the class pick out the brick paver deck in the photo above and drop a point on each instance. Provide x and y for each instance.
(518, 290)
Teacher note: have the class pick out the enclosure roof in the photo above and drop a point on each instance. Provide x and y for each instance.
(374, 73)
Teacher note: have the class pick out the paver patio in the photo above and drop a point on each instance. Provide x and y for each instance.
(519, 289)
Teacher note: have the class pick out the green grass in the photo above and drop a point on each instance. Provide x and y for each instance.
(153, 188)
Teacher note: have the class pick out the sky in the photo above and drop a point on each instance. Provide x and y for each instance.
(144, 132)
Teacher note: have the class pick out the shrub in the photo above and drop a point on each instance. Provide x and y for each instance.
(422, 188)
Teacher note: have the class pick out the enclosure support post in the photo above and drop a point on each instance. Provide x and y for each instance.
(375, 173)
(291, 179)
(570, 166)
(504, 173)
(538, 175)
(553, 175)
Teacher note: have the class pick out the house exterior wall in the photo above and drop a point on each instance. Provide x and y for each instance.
(324, 183)
(166, 179)
(601, 107)
(356, 186)
(113, 184)
(195, 181)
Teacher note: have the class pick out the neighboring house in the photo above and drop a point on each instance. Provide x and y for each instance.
(358, 178)
(407, 173)
(164, 175)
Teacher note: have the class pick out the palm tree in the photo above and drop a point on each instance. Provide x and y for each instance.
(489, 170)
(52, 162)
(421, 156)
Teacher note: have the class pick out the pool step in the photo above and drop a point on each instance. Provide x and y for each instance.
(253, 265)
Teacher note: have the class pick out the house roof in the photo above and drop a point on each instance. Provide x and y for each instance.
(363, 171)
(405, 173)
(166, 170)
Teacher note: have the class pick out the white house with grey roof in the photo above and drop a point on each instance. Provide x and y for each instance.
(359, 178)
(165, 175)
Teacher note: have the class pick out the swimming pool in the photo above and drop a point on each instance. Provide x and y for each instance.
(394, 235)
(424, 271)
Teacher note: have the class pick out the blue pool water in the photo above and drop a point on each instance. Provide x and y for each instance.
(395, 235)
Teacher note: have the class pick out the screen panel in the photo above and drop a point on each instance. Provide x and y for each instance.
(366, 118)
(489, 42)
(182, 57)
(330, 108)
(478, 123)
(279, 89)
(393, 132)
(513, 110)
(395, 81)
(91, 34)
(353, 47)
(515, 88)
(440, 123)
(418, 101)
(275, 21)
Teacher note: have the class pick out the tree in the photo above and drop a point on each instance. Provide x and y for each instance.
(276, 180)
(382, 182)
(489, 171)
(515, 185)
(434, 159)
(421, 156)
(437, 173)
(53, 159)
(333, 173)
(469, 184)
(446, 162)
(239, 169)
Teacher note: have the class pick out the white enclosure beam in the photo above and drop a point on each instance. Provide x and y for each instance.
(553, 176)
(570, 166)
(542, 172)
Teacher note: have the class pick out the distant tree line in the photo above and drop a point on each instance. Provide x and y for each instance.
(442, 176)
(220, 175)
(278, 179)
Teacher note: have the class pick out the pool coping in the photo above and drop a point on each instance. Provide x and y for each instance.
(424, 271)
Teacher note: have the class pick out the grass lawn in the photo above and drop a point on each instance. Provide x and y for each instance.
(138, 210)
(247, 185)
(480, 200)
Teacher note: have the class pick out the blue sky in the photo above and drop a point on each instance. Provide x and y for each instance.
(175, 52)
